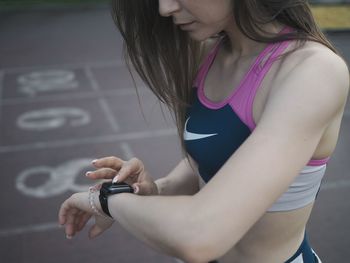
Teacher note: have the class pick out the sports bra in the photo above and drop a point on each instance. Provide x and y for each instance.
(215, 130)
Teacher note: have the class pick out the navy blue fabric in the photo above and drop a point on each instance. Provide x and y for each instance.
(305, 250)
(212, 152)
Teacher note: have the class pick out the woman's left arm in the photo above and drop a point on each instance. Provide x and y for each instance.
(205, 226)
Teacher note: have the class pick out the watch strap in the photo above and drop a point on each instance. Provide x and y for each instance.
(104, 204)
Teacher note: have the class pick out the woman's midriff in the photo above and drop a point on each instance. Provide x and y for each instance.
(273, 239)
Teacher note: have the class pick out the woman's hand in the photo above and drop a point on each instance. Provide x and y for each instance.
(76, 211)
(131, 172)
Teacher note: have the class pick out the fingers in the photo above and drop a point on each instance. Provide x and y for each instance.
(102, 173)
(130, 170)
(63, 212)
(145, 188)
(70, 226)
(101, 224)
(110, 162)
(95, 231)
(84, 218)
(76, 222)
(72, 213)
(139, 189)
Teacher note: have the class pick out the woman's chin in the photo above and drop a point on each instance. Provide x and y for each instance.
(198, 36)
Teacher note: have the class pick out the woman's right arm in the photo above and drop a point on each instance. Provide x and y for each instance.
(182, 180)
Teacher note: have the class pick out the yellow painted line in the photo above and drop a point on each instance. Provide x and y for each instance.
(332, 17)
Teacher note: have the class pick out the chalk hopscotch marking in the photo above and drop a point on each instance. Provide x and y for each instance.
(53, 118)
(69, 66)
(46, 81)
(60, 179)
(89, 140)
(103, 103)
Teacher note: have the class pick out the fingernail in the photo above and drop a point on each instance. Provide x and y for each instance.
(137, 189)
(88, 173)
(69, 237)
(94, 161)
(115, 179)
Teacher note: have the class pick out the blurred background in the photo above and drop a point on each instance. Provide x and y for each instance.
(66, 98)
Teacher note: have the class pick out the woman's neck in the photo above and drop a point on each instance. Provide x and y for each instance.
(239, 45)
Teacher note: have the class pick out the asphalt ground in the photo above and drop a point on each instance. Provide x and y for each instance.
(66, 98)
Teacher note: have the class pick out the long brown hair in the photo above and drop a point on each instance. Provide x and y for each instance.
(167, 59)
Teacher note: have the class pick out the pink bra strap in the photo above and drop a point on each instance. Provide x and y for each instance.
(204, 67)
(318, 162)
(242, 100)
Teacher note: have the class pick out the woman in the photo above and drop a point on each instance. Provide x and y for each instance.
(258, 94)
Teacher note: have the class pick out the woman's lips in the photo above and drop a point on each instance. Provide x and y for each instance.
(186, 26)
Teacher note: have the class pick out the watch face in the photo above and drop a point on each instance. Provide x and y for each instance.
(110, 188)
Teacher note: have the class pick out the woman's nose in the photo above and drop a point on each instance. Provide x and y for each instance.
(168, 7)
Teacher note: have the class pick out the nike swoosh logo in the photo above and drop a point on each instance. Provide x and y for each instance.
(190, 136)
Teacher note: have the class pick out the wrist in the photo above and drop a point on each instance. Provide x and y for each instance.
(95, 204)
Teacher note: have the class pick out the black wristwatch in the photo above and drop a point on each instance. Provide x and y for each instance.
(110, 188)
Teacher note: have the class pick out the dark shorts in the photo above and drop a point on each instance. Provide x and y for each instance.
(304, 254)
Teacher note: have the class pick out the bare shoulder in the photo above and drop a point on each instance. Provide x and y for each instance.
(312, 83)
(315, 69)
(314, 58)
